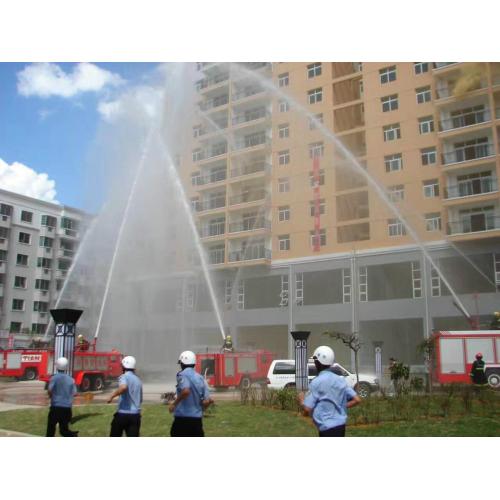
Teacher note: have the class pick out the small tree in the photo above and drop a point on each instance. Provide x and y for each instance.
(352, 341)
(428, 348)
(399, 374)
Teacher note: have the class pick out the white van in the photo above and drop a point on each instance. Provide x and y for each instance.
(281, 374)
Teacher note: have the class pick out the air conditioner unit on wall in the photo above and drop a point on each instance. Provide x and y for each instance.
(5, 217)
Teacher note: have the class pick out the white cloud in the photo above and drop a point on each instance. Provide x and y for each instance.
(144, 100)
(48, 79)
(24, 180)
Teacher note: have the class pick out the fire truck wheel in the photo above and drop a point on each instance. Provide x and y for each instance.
(30, 374)
(245, 383)
(494, 380)
(363, 389)
(86, 383)
(98, 384)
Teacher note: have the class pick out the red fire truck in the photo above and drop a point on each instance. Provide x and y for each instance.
(91, 370)
(456, 351)
(234, 369)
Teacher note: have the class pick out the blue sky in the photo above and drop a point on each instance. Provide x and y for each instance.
(50, 118)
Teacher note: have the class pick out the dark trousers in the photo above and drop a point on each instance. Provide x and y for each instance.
(62, 416)
(187, 427)
(128, 422)
(338, 431)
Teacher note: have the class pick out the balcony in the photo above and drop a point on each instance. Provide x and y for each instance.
(250, 116)
(203, 180)
(441, 65)
(211, 152)
(213, 204)
(66, 253)
(252, 141)
(69, 233)
(61, 273)
(468, 153)
(211, 230)
(216, 256)
(216, 102)
(448, 91)
(251, 252)
(4, 243)
(472, 187)
(248, 197)
(205, 83)
(248, 92)
(251, 168)
(252, 224)
(217, 127)
(257, 65)
(465, 120)
(475, 224)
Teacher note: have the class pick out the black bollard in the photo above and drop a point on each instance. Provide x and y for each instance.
(301, 369)
(64, 341)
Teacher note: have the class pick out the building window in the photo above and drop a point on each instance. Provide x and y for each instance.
(396, 227)
(284, 106)
(3, 255)
(321, 178)
(393, 163)
(44, 263)
(315, 121)
(39, 306)
(421, 67)
(196, 179)
(313, 70)
(19, 282)
(17, 305)
(315, 95)
(426, 125)
(42, 284)
(284, 213)
(389, 103)
(312, 207)
(428, 156)
(433, 222)
(284, 242)
(197, 131)
(283, 131)
(423, 94)
(49, 221)
(416, 279)
(396, 193)
(21, 260)
(25, 238)
(316, 149)
(46, 242)
(392, 132)
(197, 155)
(431, 188)
(284, 185)
(15, 327)
(284, 157)
(322, 238)
(387, 74)
(195, 204)
(283, 80)
(26, 216)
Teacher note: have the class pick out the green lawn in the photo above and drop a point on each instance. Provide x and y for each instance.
(232, 419)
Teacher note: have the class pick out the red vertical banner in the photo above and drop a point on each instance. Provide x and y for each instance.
(316, 178)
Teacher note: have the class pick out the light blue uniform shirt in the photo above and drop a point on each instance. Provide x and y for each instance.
(130, 401)
(327, 397)
(191, 406)
(63, 388)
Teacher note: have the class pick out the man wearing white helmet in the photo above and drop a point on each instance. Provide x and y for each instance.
(61, 391)
(192, 396)
(329, 396)
(128, 416)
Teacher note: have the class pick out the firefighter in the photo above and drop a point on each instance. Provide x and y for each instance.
(128, 415)
(192, 397)
(329, 396)
(61, 391)
(82, 345)
(477, 372)
(495, 321)
(228, 344)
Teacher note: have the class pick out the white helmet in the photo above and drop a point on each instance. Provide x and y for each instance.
(324, 355)
(187, 358)
(61, 364)
(128, 362)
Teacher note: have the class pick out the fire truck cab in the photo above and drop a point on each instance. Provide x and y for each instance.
(234, 369)
(455, 351)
